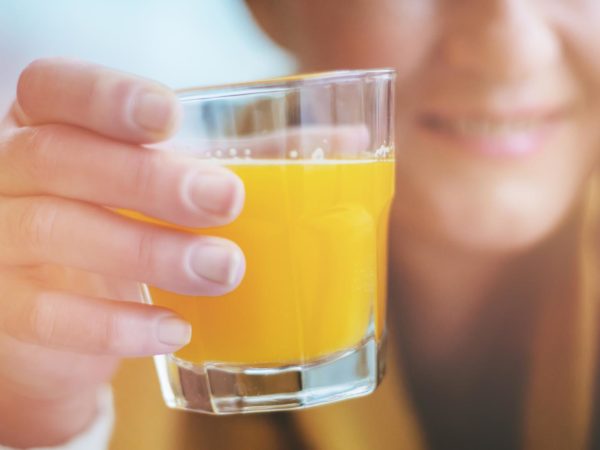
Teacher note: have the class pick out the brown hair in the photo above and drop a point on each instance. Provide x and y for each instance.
(559, 405)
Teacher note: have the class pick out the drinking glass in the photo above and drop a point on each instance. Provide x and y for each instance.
(306, 325)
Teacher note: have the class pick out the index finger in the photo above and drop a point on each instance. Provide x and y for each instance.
(115, 104)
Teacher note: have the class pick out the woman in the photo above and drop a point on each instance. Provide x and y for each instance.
(492, 314)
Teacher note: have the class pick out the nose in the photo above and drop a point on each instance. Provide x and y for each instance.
(498, 38)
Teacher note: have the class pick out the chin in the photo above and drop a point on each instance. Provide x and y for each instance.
(495, 218)
(511, 235)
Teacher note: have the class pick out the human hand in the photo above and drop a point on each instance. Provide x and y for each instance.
(71, 151)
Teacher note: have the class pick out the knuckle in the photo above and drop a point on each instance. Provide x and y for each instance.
(111, 335)
(144, 170)
(40, 319)
(144, 259)
(40, 150)
(15, 143)
(9, 145)
(35, 223)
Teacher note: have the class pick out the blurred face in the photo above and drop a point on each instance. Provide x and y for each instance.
(498, 105)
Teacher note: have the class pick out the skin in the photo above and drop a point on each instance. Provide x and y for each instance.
(464, 210)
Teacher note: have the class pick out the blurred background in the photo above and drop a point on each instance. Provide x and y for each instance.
(178, 42)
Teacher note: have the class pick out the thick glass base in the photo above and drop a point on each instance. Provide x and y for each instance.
(217, 388)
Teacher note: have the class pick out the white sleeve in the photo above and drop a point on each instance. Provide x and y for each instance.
(97, 435)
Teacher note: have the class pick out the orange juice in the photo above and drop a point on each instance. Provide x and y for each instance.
(314, 235)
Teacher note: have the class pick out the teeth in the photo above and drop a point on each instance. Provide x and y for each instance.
(493, 128)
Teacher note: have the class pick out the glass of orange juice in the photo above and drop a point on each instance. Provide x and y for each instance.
(307, 323)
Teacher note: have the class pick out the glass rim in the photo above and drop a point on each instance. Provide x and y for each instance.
(282, 83)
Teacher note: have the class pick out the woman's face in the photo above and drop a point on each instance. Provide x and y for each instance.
(498, 106)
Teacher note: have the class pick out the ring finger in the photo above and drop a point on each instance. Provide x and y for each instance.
(36, 230)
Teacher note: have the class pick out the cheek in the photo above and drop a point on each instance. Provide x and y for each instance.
(578, 24)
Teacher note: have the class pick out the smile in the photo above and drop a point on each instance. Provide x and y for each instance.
(488, 128)
(492, 136)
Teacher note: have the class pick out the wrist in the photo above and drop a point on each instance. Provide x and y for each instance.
(27, 422)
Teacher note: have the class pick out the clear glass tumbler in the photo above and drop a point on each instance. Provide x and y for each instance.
(307, 324)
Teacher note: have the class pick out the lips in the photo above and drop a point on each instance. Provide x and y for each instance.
(509, 134)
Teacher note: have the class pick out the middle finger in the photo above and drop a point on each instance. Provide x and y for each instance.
(68, 162)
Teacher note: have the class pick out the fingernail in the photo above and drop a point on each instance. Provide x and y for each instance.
(153, 111)
(174, 331)
(219, 193)
(218, 263)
